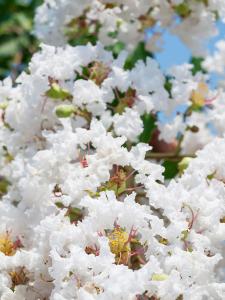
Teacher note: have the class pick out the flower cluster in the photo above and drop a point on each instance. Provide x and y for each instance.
(128, 21)
(86, 209)
(85, 82)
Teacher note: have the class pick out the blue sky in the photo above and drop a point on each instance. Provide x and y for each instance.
(175, 52)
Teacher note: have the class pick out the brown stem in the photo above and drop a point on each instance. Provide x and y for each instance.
(167, 156)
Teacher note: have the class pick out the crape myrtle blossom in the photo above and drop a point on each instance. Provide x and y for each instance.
(85, 215)
(215, 62)
(87, 210)
(128, 21)
(87, 229)
(86, 81)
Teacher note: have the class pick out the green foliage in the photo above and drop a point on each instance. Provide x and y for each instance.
(149, 126)
(197, 65)
(171, 169)
(116, 48)
(16, 41)
(168, 85)
(139, 53)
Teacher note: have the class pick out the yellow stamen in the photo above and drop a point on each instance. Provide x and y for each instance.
(199, 95)
(6, 245)
(118, 241)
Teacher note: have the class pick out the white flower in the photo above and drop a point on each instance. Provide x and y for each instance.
(88, 94)
(128, 124)
(84, 214)
(170, 131)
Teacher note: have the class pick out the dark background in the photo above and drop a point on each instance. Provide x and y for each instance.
(16, 40)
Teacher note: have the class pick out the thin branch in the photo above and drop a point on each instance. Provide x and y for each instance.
(167, 156)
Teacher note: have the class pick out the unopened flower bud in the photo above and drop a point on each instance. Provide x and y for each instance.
(159, 277)
(183, 164)
(58, 93)
(64, 111)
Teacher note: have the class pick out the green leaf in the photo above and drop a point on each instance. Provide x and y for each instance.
(197, 65)
(140, 53)
(9, 48)
(171, 169)
(168, 86)
(24, 21)
(116, 48)
(149, 126)
(113, 34)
